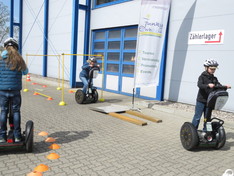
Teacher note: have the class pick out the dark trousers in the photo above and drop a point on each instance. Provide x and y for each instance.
(6, 97)
(200, 109)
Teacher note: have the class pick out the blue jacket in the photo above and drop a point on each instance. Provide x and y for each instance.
(9, 79)
(85, 70)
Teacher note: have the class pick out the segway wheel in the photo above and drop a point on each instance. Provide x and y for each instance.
(29, 136)
(95, 96)
(80, 97)
(188, 136)
(220, 136)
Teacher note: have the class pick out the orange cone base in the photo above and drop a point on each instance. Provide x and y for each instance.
(49, 98)
(34, 173)
(53, 156)
(41, 168)
(54, 146)
(50, 139)
(44, 86)
(43, 133)
(35, 93)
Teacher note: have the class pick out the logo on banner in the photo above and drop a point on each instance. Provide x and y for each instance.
(150, 28)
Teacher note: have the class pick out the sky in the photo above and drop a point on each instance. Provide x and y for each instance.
(16, 8)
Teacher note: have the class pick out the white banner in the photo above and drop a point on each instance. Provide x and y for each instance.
(151, 35)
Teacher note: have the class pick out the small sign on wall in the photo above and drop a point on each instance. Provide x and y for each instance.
(206, 37)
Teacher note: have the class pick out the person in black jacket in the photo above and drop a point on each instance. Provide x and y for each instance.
(206, 83)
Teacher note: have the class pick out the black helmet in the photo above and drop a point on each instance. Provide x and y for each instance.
(211, 63)
(11, 42)
(92, 59)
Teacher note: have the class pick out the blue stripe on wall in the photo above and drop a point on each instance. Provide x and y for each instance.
(45, 45)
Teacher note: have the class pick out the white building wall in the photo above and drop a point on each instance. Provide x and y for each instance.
(32, 37)
(185, 62)
(59, 37)
(123, 14)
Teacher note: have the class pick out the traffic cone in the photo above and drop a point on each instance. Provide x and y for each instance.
(41, 168)
(53, 156)
(34, 173)
(28, 78)
(43, 133)
(54, 146)
(50, 139)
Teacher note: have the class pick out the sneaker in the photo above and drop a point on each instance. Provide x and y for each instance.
(17, 139)
(2, 140)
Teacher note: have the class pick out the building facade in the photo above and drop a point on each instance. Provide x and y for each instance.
(109, 28)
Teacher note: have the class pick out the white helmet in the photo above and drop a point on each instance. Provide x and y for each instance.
(211, 63)
(92, 59)
(11, 42)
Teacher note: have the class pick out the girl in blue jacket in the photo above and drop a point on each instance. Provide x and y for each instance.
(12, 66)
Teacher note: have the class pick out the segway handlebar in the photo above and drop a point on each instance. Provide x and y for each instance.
(221, 87)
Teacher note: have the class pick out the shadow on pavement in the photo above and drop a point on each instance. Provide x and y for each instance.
(61, 137)
(42, 146)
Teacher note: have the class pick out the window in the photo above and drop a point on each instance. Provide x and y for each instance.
(103, 3)
(118, 46)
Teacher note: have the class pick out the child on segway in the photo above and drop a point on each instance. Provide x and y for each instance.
(206, 83)
(12, 66)
(84, 74)
(89, 93)
(211, 96)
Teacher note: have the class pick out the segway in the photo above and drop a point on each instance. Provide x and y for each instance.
(91, 95)
(27, 136)
(213, 134)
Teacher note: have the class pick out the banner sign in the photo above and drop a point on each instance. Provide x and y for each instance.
(151, 35)
(206, 37)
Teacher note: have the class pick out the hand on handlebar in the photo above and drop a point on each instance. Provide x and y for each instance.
(211, 85)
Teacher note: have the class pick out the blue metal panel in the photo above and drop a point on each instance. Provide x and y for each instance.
(160, 88)
(74, 37)
(20, 24)
(12, 18)
(87, 29)
(45, 46)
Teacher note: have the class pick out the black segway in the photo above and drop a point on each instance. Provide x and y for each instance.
(27, 136)
(91, 95)
(214, 134)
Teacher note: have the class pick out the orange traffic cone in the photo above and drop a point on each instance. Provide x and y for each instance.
(54, 146)
(50, 139)
(43, 133)
(53, 156)
(41, 168)
(28, 77)
(34, 173)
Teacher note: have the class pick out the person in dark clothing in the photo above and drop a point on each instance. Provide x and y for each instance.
(206, 83)
(84, 74)
(12, 66)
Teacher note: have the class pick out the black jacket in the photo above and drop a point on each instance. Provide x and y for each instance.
(204, 90)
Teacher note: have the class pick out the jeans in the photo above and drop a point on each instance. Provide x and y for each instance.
(85, 82)
(6, 97)
(199, 109)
